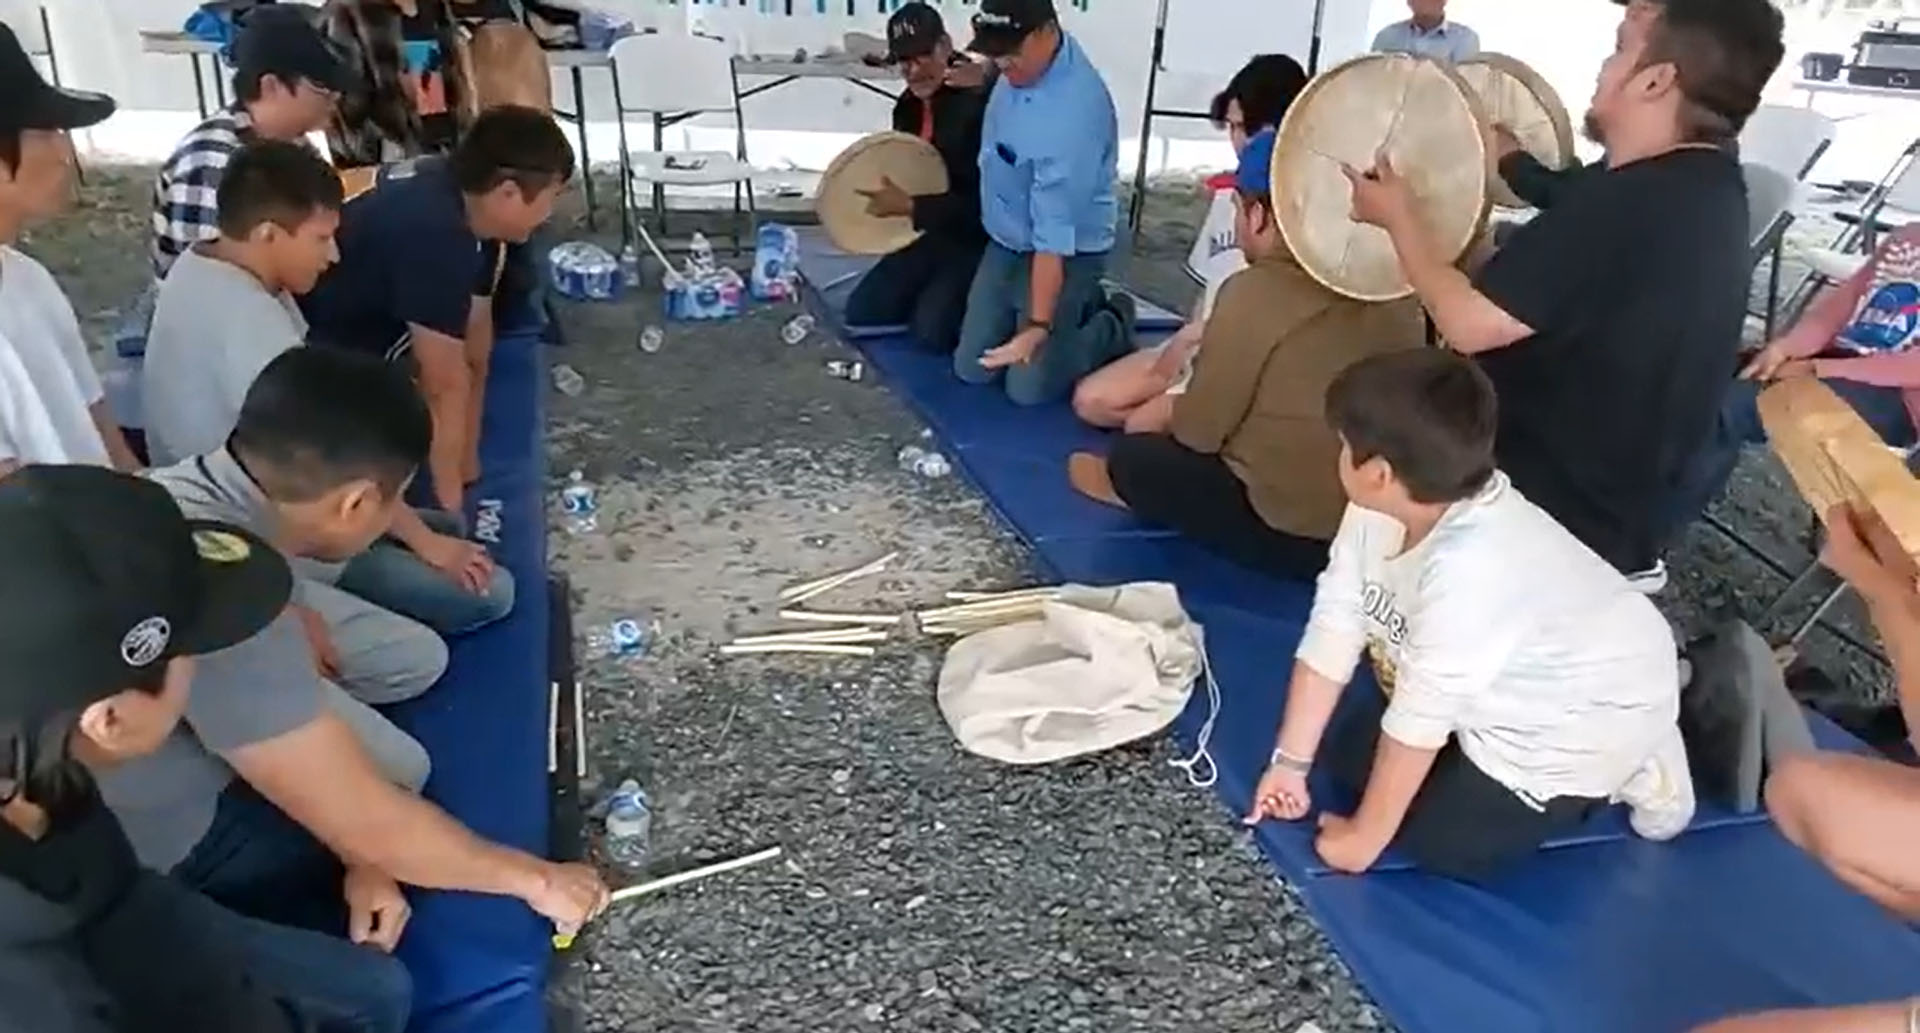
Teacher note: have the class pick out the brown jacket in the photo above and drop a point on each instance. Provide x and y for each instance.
(1274, 342)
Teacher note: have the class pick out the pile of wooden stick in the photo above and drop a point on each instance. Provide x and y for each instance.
(969, 612)
(853, 634)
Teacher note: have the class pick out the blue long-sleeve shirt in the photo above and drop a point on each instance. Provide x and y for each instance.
(1047, 159)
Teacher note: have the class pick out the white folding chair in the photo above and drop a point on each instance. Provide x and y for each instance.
(30, 23)
(673, 78)
(1771, 197)
(1789, 140)
(1892, 203)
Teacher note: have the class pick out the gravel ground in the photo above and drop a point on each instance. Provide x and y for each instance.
(923, 889)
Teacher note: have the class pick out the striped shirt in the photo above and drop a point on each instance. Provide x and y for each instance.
(184, 195)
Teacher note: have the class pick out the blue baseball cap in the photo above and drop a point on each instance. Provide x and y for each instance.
(1255, 175)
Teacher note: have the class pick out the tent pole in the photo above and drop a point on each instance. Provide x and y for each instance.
(1138, 201)
(1313, 48)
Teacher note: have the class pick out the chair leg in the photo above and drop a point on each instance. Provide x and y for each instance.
(1773, 287)
(1795, 587)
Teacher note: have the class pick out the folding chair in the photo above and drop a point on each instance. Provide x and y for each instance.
(29, 22)
(1771, 196)
(1892, 203)
(674, 78)
(1790, 140)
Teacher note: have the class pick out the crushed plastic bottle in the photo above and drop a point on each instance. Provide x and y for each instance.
(699, 256)
(797, 329)
(630, 265)
(852, 370)
(623, 638)
(629, 825)
(568, 381)
(581, 503)
(933, 466)
(652, 339)
(908, 458)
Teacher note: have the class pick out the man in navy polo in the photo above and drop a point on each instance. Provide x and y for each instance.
(1037, 314)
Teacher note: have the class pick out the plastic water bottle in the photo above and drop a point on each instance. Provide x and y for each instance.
(699, 254)
(847, 369)
(625, 637)
(581, 503)
(629, 824)
(908, 458)
(630, 266)
(652, 339)
(933, 466)
(797, 329)
(568, 381)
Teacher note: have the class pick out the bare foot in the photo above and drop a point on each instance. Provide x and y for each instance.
(1088, 475)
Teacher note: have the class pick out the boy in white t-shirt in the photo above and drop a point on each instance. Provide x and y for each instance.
(55, 410)
(1526, 683)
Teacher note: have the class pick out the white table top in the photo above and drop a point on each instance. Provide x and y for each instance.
(175, 43)
(1854, 90)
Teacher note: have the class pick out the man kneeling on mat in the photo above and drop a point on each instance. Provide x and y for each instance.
(1249, 469)
(1525, 682)
(924, 285)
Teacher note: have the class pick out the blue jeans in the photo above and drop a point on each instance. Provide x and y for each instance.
(279, 893)
(1087, 332)
(389, 576)
(1883, 408)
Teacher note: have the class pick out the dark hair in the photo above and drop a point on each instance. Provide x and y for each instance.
(1265, 89)
(36, 756)
(274, 181)
(1429, 412)
(317, 418)
(10, 149)
(511, 142)
(1723, 52)
(247, 83)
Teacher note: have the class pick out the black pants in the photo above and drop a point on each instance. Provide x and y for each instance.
(923, 285)
(1197, 495)
(1462, 823)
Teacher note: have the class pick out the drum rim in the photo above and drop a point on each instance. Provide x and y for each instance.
(1498, 191)
(843, 232)
(1449, 250)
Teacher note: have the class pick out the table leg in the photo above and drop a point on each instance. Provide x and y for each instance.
(586, 163)
(659, 191)
(199, 86)
(219, 81)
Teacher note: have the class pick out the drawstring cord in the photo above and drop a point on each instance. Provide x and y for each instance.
(1199, 768)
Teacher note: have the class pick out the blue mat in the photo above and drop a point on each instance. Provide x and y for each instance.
(1600, 931)
(832, 272)
(479, 963)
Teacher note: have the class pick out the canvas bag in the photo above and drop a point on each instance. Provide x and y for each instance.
(1100, 667)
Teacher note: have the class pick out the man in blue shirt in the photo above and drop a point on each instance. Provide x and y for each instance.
(1428, 34)
(1036, 313)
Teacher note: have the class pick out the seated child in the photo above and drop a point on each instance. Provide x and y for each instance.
(1862, 337)
(1248, 469)
(1136, 391)
(1526, 683)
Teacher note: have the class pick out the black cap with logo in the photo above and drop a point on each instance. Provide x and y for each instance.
(1000, 25)
(104, 580)
(282, 41)
(913, 31)
(34, 103)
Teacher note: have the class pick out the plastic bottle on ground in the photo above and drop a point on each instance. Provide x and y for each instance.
(933, 466)
(652, 339)
(568, 381)
(908, 458)
(630, 266)
(700, 254)
(629, 824)
(797, 328)
(580, 502)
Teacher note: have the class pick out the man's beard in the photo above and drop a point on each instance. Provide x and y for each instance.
(1590, 126)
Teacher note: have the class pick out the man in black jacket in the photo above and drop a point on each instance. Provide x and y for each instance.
(924, 285)
(108, 595)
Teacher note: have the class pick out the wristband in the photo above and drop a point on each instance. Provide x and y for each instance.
(1288, 762)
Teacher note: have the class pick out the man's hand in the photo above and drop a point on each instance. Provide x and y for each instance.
(1380, 197)
(967, 75)
(377, 911)
(888, 200)
(1504, 142)
(1180, 347)
(569, 896)
(1346, 846)
(1281, 794)
(7, 466)
(1768, 362)
(1018, 351)
(465, 562)
(326, 658)
(1862, 549)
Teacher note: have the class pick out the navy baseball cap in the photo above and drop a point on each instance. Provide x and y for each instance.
(1000, 26)
(282, 41)
(1255, 175)
(913, 31)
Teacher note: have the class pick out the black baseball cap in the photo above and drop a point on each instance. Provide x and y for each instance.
(1000, 25)
(33, 102)
(282, 41)
(102, 580)
(913, 31)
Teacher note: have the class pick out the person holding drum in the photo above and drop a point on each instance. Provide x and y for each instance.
(924, 285)
(1136, 391)
(1250, 468)
(1037, 315)
(1610, 324)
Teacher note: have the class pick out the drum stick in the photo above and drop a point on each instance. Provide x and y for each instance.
(842, 278)
(562, 941)
(823, 617)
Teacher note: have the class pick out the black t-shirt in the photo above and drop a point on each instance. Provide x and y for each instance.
(106, 945)
(1635, 284)
(406, 256)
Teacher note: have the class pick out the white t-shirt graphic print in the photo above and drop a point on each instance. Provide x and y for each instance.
(1502, 631)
